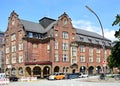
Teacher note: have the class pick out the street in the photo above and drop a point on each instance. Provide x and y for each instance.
(72, 82)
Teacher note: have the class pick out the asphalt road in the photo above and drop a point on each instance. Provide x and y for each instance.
(73, 82)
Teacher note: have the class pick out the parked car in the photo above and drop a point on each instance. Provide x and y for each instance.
(60, 76)
(51, 77)
(72, 75)
(13, 78)
(83, 75)
(57, 76)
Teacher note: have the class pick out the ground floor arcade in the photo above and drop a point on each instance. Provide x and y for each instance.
(42, 71)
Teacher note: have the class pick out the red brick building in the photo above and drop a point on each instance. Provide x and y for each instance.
(40, 49)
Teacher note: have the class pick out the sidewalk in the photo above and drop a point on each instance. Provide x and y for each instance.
(95, 79)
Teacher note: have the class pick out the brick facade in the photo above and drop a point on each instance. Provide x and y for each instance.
(40, 49)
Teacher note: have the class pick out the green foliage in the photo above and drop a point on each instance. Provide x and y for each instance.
(111, 61)
(117, 34)
(117, 21)
(114, 58)
(115, 55)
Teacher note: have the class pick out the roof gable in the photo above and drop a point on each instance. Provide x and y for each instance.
(45, 22)
(32, 26)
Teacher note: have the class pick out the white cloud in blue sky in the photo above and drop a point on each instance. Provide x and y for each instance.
(34, 10)
(87, 25)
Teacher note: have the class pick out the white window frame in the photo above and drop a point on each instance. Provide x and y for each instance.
(13, 48)
(98, 59)
(90, 59)
(13, 37)
(65, 46)
(65, 35)
(20, 46)
(7, 50)
(74, 51)
(56, 45)
(64, 21)
(14, 58)
(65, 58)
(56, 58)
(90, 51)
(56, 33)
(48, 46)
(82, 58)
(82, 48)
(105, 53)
(98, 50)
(7, 60)
(20, 58)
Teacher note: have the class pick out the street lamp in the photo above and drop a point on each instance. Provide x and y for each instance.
(102, 35)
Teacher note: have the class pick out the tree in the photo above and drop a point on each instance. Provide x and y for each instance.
(114, 58)
(117, 20)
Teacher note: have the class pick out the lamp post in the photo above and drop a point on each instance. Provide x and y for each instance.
(102, 35)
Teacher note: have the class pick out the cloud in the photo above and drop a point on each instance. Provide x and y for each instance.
(89, 26)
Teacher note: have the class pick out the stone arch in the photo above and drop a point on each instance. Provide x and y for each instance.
(98, 70)
(73, 71)
(7, 71)
(64, 69)
(28, 71)
(13, 71)
(90, 70)
(82, 69)
(46, 71)
(74, 65)
(20, 71)
(67, 69)
(37, 71)
(56, 69)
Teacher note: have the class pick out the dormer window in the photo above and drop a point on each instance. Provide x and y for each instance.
(64, 21)
(30, 34)
(90, 40)
(13, 22)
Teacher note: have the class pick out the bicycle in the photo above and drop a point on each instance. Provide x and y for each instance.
(117, 77)
(103, 77)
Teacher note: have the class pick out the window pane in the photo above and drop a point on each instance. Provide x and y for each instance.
(56, 57)
(82, 48)
(65, 35)
(56, 45)
(65, 58)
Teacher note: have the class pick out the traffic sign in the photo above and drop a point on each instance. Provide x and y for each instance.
(104, 63)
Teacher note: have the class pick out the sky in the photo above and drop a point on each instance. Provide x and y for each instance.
(34, 10)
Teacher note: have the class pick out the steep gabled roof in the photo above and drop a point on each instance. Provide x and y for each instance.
(32, 26)
(45, 22)
(36, 27)
(88, 33)
(86, 36)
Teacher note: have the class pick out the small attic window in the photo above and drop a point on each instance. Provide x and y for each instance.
(90, 40)
(81, 38)
(64, 21)
(13, 21)
(97, 41)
